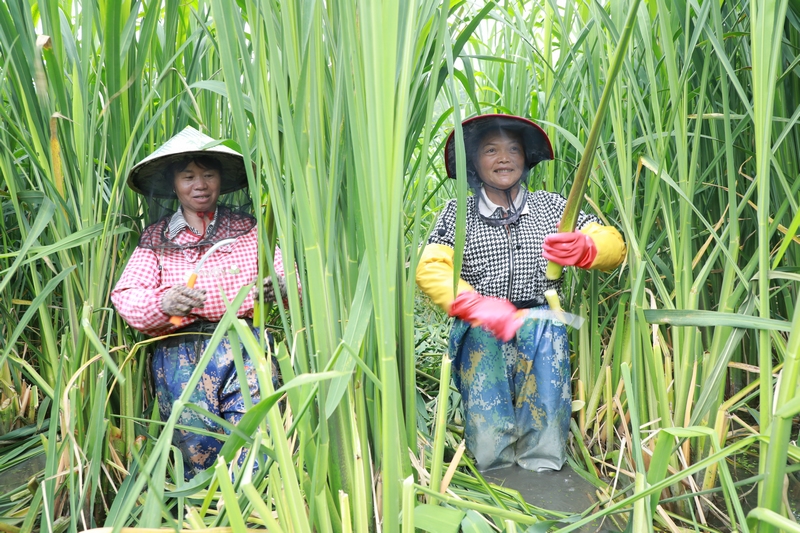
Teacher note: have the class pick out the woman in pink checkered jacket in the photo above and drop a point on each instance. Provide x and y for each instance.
(153, 297)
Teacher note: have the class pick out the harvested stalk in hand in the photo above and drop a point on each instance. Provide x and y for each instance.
(570, 217)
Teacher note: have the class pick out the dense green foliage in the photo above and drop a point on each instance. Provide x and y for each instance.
(686, 363)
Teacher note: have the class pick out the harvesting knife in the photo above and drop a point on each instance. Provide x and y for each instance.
(176, 320)
(556, 313)
(573, 321)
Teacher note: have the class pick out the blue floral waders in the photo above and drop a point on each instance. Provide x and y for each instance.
(516, 394)
(219, 391)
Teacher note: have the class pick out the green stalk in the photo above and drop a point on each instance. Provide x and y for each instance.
(344, 506)
(766, 28)
(771, 519)
(781, 428)
(409, 501)
(570, 216)
(726, 288)
(441, 425)
(232, 510)
(480, 507)
(641, 518)
(548, 86)
(256, 499)
(277, 432)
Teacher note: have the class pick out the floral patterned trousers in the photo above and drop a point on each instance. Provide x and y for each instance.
(219, 392)
(516, 395)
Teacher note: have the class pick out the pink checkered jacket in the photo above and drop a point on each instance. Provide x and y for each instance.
(151, 273)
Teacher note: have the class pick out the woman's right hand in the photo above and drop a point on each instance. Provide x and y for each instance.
(498, 316)
(180, 300)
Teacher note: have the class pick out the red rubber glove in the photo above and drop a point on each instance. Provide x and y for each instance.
(494, 314)
(569, 249)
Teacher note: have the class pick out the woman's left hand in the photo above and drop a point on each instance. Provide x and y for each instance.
(569, 249)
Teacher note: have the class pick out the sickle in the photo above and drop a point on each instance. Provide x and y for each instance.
(176, 320)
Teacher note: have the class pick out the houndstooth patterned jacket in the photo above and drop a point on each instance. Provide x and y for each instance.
(506, 261)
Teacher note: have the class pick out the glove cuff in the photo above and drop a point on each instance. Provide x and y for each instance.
(589, 254)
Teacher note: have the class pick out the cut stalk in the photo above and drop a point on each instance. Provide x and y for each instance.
(409, 499)
(441, 425)
(569, 218)
(344, 506)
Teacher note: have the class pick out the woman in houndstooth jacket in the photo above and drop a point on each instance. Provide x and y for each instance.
(152, 295)
(513, 375)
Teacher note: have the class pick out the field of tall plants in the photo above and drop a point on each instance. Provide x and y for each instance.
(685, 373)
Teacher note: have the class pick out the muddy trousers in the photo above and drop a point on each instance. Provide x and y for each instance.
(219, 391)
(516, 395)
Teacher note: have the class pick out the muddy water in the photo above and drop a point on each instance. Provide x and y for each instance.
(563, 491)
(748, 493)
(20, 474)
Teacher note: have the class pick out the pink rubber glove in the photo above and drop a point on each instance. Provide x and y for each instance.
(494, 314)
(569, 249)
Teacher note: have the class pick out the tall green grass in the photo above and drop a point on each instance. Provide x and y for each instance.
(344, 107)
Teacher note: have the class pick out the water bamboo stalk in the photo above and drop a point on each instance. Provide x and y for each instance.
(232, 509)
(264, 512)
(441, 425)
(344, 506)
(781, 427)
(766, 30)
(409, 501)
(570, 217)
(609, 398)
(641, 521)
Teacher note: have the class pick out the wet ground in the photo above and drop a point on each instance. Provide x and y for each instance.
(563, 491)
(20, 474)
(747, 467)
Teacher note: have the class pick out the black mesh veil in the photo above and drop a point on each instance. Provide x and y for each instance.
(536, 146)
(154, 178)
(474, 133)
(228, 224)
(232, 220)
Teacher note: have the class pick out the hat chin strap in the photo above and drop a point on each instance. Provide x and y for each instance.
(203, 216)
(513, 212)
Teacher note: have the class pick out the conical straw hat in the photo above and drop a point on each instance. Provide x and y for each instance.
(149, 177)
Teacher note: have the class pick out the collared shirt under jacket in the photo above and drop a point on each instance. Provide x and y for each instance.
(151, 273)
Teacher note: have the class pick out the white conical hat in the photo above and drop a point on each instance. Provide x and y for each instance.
(149, 177)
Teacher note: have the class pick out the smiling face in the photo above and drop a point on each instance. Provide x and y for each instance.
(500, 159)
(197, 187)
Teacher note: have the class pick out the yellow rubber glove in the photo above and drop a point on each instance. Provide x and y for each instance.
(611, 249)
(435, 275)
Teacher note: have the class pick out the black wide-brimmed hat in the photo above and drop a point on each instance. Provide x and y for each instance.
(537, 144)
(149, 177)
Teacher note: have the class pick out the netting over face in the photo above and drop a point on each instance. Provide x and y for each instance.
(536, 145)
(474, 134)
(228, 224)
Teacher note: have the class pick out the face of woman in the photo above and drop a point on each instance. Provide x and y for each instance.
(197, 187)
(500, 160)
